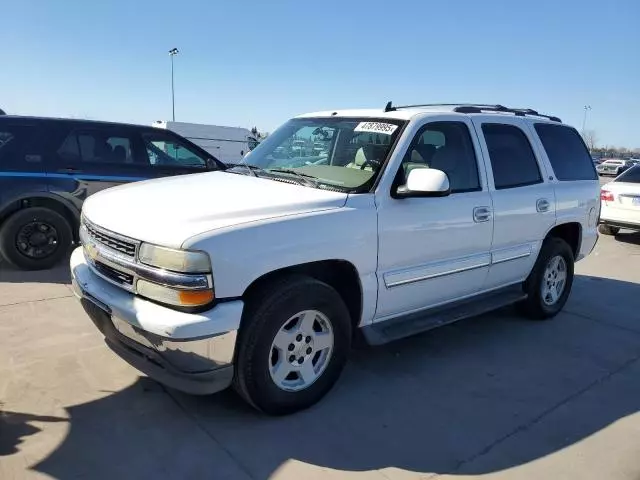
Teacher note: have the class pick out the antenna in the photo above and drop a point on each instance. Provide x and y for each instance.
(389, 107)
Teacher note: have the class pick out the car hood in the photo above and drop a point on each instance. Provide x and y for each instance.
(169, 211)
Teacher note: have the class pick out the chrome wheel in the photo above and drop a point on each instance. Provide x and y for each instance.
(554, 280)
(301, 350)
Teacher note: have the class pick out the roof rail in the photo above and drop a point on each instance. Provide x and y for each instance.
(476, 108)
(520, 112)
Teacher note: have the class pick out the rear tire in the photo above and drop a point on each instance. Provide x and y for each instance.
(608, 230)
(35, 238)
(285, 363)
(549, 283)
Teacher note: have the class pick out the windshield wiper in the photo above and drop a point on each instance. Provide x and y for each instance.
(251, 168)
(307, 179)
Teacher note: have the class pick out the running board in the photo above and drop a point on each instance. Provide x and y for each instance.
(411, 324)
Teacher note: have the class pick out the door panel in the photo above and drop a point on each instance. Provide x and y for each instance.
(431, 251)
(523, 213)
(82, 160)
(434, 250)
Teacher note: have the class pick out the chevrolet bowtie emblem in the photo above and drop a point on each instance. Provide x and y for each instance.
(92, 250)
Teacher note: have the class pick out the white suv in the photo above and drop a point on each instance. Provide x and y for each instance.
(411, 217)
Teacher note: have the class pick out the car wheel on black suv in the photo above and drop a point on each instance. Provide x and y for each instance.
(35, 238)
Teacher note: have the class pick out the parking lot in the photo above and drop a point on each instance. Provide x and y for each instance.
(495, 396)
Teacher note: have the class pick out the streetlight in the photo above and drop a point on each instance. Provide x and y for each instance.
(584, 119)
(172, 53)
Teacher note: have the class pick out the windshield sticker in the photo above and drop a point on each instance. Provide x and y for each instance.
(376, 127)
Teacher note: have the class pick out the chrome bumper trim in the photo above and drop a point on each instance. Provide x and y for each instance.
(187, 355)
(97, 252)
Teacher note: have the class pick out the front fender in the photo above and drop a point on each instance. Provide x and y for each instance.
(244, 253)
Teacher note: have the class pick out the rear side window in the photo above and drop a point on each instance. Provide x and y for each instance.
(512, 159)
(97, 147)
(18, 151)
(567, 152)
(630, 176)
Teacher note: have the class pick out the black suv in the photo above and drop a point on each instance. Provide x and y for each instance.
(48, 167)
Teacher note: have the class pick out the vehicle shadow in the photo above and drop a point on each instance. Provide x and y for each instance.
(476, 397)
(628, 237)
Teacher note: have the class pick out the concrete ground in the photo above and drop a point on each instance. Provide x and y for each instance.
(492, 397)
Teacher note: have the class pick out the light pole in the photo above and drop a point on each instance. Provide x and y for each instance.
(584, 119)
(172, 53)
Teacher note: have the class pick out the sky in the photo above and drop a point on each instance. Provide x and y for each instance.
(258, 63)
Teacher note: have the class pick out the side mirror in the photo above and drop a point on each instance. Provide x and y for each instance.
(425, 182)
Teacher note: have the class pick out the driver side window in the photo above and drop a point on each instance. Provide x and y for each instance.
(446, 146)
(165, 151)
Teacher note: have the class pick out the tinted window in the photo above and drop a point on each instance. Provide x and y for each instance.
(18, 151)
(97, 146)
(446, 146)
(70, 149)
(567, 152)
(630, 176)
(512, 159)
(166, 150)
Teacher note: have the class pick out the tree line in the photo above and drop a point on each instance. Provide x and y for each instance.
(608, 151)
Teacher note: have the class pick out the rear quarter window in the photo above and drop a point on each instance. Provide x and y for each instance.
(567, 152)
(18, 148)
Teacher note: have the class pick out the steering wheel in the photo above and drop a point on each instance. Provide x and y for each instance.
(374, 164)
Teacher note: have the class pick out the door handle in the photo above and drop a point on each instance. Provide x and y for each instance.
(481, 214)
(542, 205)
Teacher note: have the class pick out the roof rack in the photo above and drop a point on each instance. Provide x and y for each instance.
(476, 108)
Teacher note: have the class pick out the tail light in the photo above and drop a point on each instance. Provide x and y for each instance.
(606, 196)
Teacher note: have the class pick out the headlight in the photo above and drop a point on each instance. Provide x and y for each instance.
(183, 261)
(172, 296)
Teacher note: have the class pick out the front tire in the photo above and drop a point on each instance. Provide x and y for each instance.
(549, 283)
(607, 229)
(35, 238)
(293, 344)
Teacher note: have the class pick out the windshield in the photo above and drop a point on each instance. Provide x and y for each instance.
(342, 153)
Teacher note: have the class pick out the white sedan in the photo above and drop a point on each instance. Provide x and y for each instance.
(620, 201)
(614, 167)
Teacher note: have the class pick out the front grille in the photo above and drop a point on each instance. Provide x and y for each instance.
(113, 274)
(122, 246)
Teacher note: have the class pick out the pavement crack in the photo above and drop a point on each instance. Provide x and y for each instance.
(35, 301)
(601, 322)
(193, 419)
(545, 413)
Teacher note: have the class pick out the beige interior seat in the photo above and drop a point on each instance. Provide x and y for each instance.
(360, 160)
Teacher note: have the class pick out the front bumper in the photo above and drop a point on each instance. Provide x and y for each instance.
(189, 352)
